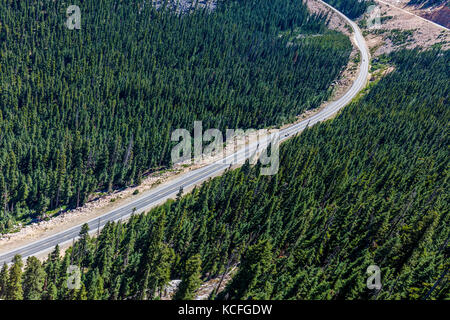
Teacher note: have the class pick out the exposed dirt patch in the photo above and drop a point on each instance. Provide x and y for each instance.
(349, 74)
(400, 27)
(439, 14)
(185, 6)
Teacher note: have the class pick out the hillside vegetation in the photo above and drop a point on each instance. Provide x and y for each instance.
(351, 8)
(367, 188)
(93, 109)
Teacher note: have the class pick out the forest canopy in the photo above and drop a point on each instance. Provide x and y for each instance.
(93, 109)
(369, 187)
(351, 8)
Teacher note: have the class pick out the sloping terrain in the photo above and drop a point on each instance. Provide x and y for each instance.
(92, 110)
(433, 10)
(367, 188)
(397, 28)
(439, 15)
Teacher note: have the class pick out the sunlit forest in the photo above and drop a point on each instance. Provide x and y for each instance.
(351, 8)
(429, 3)
(369, 187)
(92, 110)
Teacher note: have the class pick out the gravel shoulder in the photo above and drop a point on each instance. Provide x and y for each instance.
(101, 204)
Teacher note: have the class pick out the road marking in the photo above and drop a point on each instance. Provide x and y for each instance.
(199, 175)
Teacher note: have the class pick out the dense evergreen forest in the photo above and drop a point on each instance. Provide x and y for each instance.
(369, 187)
(93, 109)
(351, 8)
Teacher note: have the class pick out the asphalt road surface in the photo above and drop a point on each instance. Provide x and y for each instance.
(196, 177)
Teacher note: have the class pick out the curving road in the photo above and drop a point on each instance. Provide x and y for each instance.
(196, 177)
(413, 14)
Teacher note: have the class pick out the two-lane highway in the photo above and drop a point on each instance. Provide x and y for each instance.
(196, 177)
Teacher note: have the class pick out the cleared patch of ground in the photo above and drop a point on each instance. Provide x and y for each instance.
(104, 203)
(398, 28)
(440, 16)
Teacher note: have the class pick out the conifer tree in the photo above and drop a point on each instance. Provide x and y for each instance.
(190, 279)
(4, 277)
(15, 291)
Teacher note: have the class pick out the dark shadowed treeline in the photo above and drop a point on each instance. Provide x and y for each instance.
(351, 8)
(93, 109)
(368, 188)
(429, 3)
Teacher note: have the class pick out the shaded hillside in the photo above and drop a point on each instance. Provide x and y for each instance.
(436, 10)
(440, 16)
(367, 188)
